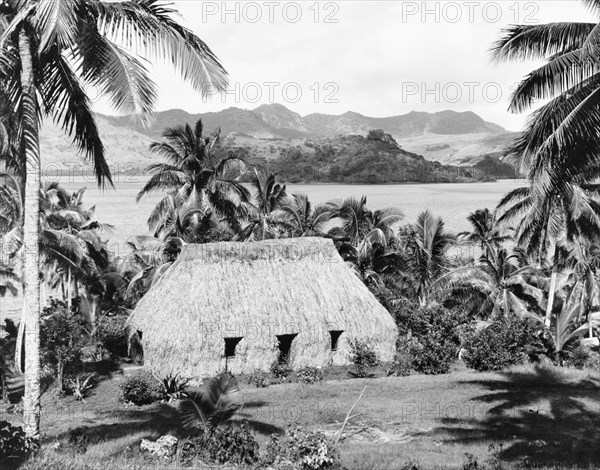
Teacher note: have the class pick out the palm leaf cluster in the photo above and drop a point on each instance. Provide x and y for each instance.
(78, 45)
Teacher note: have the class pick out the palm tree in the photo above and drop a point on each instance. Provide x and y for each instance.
(48, 50)
(70, 245)
(553, 221)
(197, 177)
(148, 260)
(485, 231)
(358, 221)
(302, 219)
(563, 132)
(268, 196)
(498, 283)
(216, 404)
(427, 244)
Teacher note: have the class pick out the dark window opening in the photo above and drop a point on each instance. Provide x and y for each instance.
(230, 344)
(335, 336)
(285, 346)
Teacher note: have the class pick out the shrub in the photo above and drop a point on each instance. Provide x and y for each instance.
(258, 379)
(281, 371)
(433, 336)
(309, 375)
(140, 389)
(62, 336)
(229, 445)
(578, 356)
(14, 445)
(111, 334)
(172, 387)
(363, 356)
(304, 450)
(503, 343)
(431, 356)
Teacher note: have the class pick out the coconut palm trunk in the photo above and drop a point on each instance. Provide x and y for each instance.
(552, 290)
(31, 228)
(550, 306)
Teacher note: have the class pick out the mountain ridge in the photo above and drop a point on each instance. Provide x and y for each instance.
(448, 136)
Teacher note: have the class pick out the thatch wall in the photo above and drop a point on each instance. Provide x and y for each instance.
(257, 291)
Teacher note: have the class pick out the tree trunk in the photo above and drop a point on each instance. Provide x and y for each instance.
(69, 289)
(43, 294)
(94, 300)
(548, 318)
(31, 229)
(59, 375)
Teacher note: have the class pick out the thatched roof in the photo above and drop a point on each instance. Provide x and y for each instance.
(256, 291)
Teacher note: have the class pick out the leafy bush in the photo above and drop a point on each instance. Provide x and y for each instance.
(172, 387)
(430, 356)
(303, 450)
(14, 445)
(578, 356)
(231, 445)
(140, 389)
(8, 341)
(593, 361)
(62, 336)
(111, 334)
(309, 375)
(433, 336)
(501, 344)
(258, 379)
(281, 371)
(363, 356)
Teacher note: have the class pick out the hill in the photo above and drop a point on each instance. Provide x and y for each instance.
(273, 132)
(349, 159)
(458, 138)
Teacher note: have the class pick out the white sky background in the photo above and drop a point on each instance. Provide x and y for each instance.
(381, 58)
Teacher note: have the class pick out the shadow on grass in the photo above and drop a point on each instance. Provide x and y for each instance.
(149, 423)
(539, 415)
(157, 420)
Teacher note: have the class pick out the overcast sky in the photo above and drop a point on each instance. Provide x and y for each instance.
(378, 58)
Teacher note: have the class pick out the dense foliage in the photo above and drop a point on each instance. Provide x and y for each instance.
(62, 338)
(309, 375)
(302, 450)
(14, 445)
(363, 356)
(140, 388)
(432, 337)
(502, 343)
(374, 159)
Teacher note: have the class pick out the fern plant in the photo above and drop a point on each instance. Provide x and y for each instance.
(208, 409)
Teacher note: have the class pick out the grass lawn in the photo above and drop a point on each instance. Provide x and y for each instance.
(549, 416)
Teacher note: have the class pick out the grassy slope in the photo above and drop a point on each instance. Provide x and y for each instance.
(548, 415)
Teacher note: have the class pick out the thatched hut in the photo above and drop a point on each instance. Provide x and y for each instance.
(242, 306)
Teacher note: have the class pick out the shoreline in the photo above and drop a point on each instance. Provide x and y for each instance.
(122, 178)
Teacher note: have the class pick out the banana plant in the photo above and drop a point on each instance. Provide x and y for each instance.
(569, 323)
